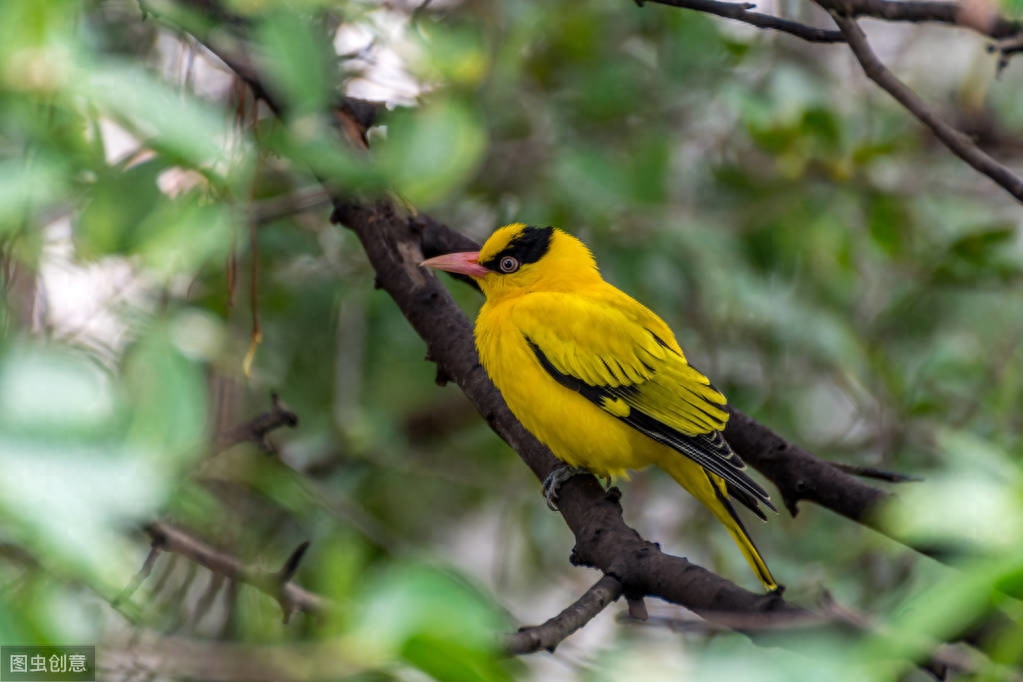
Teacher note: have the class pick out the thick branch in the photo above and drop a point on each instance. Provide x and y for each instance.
(799, 475)
(577, 614)
(958, 143)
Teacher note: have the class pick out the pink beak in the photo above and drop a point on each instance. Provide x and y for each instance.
(462, 263)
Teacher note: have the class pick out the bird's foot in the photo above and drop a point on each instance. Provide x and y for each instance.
(552, 484)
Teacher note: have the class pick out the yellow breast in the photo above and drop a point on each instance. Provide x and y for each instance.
(577, 431)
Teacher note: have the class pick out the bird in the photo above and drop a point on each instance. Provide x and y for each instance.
(599, 378)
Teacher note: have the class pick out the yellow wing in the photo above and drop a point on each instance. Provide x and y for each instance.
(620, 356)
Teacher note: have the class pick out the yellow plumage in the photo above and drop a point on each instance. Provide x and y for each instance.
(596, 376)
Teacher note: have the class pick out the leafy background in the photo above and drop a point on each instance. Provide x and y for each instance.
(835, 271)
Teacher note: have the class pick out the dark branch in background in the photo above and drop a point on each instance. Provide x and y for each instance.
(259, 427)
(992, 25)
(548, 635)
(277, 584)
(1009, 33)
(277, 208)
(144, 572)
(740, 11)
(957, 142)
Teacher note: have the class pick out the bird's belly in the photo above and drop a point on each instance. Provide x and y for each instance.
(576, 431)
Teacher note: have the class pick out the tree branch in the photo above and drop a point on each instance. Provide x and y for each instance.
(576, 615)
(1008, 32)
(740, 11)
(259, 427)
(990, 24)
(277, 584)
(957, 142)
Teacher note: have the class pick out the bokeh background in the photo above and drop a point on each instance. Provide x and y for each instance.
(836, 272)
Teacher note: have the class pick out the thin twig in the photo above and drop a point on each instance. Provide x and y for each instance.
(576, 615)
(144, 572)
(256, 337)
(291, 597)
(957, 142)
(300, 201)
(257, 429)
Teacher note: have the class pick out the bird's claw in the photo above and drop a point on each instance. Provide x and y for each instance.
(557, 478)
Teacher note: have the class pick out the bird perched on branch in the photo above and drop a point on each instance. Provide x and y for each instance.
(597, 377)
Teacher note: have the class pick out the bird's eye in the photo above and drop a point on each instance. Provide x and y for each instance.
(509, 264)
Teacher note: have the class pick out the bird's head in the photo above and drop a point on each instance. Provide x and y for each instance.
(518, 259)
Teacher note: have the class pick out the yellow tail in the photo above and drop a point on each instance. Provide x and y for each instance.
(710, 490)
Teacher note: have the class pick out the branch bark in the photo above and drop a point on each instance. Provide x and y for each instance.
(257, 429)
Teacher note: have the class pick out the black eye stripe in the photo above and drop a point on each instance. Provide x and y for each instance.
(528, 246)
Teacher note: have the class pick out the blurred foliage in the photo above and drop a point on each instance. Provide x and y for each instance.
(839, 275)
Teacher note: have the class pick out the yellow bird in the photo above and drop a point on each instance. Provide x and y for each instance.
(597, 377)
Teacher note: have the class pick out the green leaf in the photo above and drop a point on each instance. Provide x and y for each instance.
(981, 247)
(183, 234)
(120, 202)
(451, 661)
(983, 255)
(1013, 7)
(85, 457)
(890, 223)
(298, 61)
(452, 54)
(26, 186)
(431, 151)
(823, 125)
(415, 602)
(185, 128)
